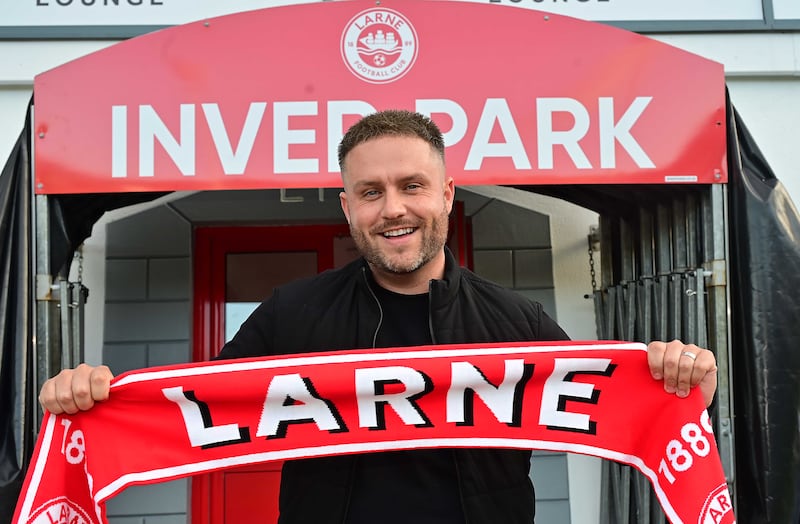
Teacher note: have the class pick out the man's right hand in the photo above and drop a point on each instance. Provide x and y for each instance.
(74, 390)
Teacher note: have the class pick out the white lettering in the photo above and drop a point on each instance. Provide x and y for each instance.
(119, 141)
(201, 434)
(458, 130)
(336, 111)
(234, 162)
(371, 385)
(559, 387)
(292, 399)
(611, 132)
(152, 128)
(283, 137)
(549, 138)
(562, 124)
(504, 400)
(496, 110)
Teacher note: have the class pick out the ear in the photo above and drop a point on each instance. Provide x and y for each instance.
(343, 203)
(449, 193)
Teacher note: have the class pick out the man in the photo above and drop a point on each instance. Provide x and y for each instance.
(406, 290)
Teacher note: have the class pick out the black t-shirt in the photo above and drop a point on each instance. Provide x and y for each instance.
(409, 486)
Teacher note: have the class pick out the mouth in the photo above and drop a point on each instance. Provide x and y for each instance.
(400, 232)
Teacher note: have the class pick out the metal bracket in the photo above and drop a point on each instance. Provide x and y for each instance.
(46, 291)
(716, 273)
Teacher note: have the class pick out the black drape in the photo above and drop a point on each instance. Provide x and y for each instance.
(765, 326)
(16, 324)
(71, 218)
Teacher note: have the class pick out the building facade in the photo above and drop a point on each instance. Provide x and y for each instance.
(136, 278)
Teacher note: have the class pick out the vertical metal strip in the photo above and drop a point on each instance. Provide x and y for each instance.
(600, 315)
(689, 308)
(629, 292)
(647, 272)
(78, 303)
(673, 307)
(700, 308)
(65, 311)
(645, 299)
(46, 327)
(719, 325)
(679, 235)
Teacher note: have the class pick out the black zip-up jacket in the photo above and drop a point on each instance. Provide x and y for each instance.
(337, 310)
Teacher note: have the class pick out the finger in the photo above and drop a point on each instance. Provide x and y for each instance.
(704, 375)
(689, 370)
(62, 392)
(708, 386)
(672, 365)
(704, 364)
(100, 383)
(655, 359)
(82, 387)
(47, 398)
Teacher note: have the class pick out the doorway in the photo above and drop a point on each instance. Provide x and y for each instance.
(235, 269)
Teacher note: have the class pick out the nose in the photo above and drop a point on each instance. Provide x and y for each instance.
(393, 205)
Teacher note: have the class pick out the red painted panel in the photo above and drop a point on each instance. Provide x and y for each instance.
(251, 101)
(251, 494)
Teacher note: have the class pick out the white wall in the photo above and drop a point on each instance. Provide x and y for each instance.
(763, 76)
(13, 104)
(20, 62)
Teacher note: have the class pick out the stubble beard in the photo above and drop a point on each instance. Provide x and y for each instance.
(433, 241)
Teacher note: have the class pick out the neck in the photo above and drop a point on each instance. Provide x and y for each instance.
(413, 283)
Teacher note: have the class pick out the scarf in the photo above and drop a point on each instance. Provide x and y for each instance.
(581, 397)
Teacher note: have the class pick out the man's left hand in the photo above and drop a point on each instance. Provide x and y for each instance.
(682, 367)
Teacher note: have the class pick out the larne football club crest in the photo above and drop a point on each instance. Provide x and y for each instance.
(379, 45)
(60, 510)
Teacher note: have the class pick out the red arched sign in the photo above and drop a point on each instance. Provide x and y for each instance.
(260, 100)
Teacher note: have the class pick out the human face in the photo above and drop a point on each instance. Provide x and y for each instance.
(397, 200)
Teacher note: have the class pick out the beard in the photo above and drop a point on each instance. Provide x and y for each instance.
(434, 238)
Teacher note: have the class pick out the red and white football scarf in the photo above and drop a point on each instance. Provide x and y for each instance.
(592, 398)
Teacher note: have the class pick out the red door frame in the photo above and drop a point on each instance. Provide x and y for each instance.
(211, 245)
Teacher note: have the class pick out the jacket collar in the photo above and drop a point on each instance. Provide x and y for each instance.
(441, 292)
(444, 291)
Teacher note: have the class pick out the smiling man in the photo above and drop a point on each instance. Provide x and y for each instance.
(406, 290)
(397, 200)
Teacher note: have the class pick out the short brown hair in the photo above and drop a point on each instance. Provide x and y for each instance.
(391, 122)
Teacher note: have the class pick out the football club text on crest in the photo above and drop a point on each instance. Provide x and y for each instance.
(58, 510)
(379, 45)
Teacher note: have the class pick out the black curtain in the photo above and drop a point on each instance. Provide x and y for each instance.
(17, 400)
(71, 218)
(764, 230)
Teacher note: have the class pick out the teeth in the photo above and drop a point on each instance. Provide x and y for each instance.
(399, 232)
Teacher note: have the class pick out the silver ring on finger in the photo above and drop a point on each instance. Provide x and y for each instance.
(689, 354)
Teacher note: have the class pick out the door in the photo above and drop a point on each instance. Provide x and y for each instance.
(235, 269)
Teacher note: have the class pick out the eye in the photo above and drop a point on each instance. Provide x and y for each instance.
(413, 186)
(371, 193)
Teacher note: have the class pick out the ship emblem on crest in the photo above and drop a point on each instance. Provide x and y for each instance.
(379, 45)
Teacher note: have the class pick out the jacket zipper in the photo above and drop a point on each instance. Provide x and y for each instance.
(430, 311)
(380, 309)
